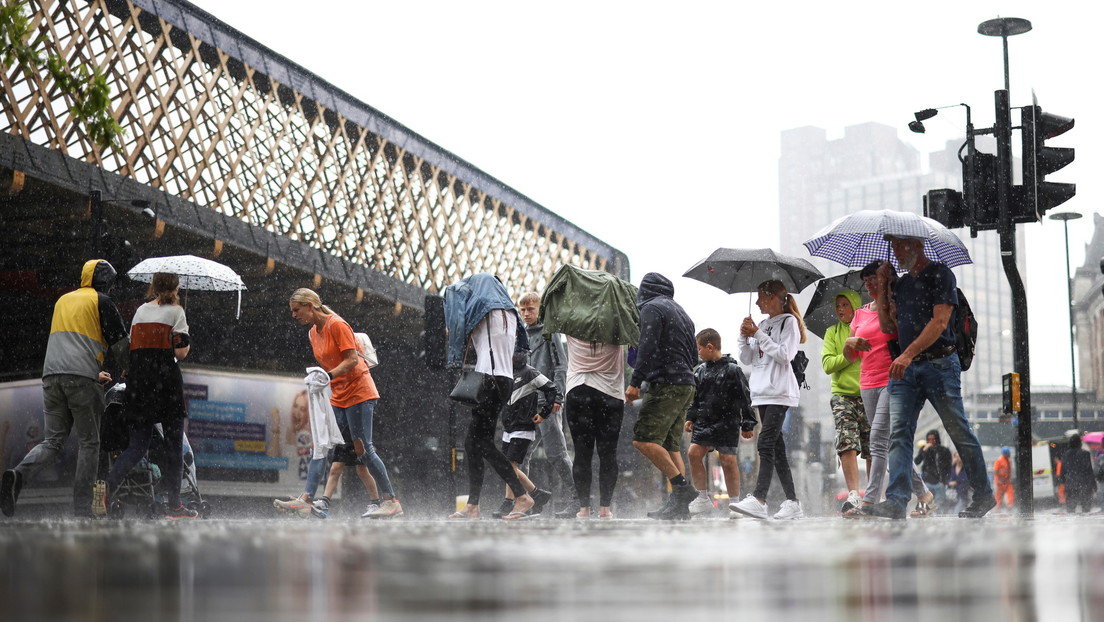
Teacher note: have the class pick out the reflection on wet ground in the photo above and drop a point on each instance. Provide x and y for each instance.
(999, 568)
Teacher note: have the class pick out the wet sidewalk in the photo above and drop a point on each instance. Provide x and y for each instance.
(998, 568)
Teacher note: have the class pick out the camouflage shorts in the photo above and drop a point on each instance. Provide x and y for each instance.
(852, 426)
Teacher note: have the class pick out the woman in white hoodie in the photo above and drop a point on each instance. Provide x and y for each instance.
(768, 348)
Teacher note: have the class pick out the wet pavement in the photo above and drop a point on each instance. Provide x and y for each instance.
(941, 568)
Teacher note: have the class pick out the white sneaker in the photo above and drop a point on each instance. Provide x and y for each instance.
(702, 503)
(372, 507)
(750, 506)
(853, 501)
(789, 511)
(388, 509)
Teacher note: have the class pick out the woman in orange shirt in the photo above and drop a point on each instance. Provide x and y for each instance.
(354, 392)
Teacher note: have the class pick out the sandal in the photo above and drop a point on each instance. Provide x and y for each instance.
(515, 516)
(462, 516)
(923, 510)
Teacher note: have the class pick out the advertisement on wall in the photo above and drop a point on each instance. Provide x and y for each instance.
(250, 433)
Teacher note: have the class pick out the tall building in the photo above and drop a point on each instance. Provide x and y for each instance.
(870, 167)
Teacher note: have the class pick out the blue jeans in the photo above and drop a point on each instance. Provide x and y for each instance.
(939, 382)
(355, 423)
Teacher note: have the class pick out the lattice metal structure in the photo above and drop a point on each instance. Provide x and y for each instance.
(216, 119)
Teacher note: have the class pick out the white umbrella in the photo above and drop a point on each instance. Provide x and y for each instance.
(857, 239)
(195, 273)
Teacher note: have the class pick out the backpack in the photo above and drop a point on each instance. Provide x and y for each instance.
(964, 325)
(366, 350)
(798, 363)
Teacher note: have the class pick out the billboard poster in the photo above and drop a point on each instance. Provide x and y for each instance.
(250, 433)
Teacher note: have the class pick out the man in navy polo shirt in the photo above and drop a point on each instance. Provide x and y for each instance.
(919, 310)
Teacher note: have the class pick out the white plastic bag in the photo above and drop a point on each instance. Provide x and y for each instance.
(366, 350)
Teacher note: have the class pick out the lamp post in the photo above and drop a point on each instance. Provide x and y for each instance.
(1065, 217)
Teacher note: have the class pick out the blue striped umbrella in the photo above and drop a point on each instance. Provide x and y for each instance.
(858, 239)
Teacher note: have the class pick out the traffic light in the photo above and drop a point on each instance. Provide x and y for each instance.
(979, 185)
(1037, 196)
(945, 207)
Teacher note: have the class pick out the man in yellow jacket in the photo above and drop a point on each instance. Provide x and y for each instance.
(85, 325)
(848, 414)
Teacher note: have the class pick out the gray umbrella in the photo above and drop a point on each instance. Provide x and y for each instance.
(743, 269)
(821, 312)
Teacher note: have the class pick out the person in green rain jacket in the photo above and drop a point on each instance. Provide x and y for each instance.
(852, 426)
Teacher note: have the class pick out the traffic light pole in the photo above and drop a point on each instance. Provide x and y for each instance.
(1006, 230)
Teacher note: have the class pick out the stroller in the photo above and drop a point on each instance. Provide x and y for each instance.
(142, 488)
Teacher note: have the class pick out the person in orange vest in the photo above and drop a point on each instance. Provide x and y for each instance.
(1002, 478)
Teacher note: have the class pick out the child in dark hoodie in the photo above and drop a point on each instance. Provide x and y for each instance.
(519, 428)
(720, 414)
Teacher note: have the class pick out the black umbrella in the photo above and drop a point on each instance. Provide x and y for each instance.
(821, 312)
(743, 269)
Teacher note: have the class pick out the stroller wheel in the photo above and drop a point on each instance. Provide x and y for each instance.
(116, 510)
(155, 510)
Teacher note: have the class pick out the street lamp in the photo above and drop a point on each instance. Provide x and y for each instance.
(1065, 217)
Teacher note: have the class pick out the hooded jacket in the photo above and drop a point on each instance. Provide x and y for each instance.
(722, 404)
(667, 352)
(467, 302)
(86, 323)
(845, 373)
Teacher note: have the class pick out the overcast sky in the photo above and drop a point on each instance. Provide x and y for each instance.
(655, 126)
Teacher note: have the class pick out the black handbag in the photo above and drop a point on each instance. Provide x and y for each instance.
(474, 387)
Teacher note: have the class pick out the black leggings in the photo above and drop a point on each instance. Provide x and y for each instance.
(772, 453)
(479, 444)
(594, 418)
(171, 464)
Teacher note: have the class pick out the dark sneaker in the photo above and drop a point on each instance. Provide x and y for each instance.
(673, 511)
(666, 504)
(684, 495)
(504, 508)
(10, 484)
(540, 499)
(181, 512)
(979, 507)
(884, 509)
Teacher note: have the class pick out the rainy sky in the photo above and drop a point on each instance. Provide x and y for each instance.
(655, 126)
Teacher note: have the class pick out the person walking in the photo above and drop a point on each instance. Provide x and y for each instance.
(1002, 478)
(935, 466)
(848, 415)
(868, 343)
(666, 356)
(960, 484)
(549, 358)
(769, 347)
(595, 410)
(159, 338)
(520, 418)
(86, 324)
(481, 318)
(354, 394)
(919, 309)
(720, 414)
(1077, 475)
